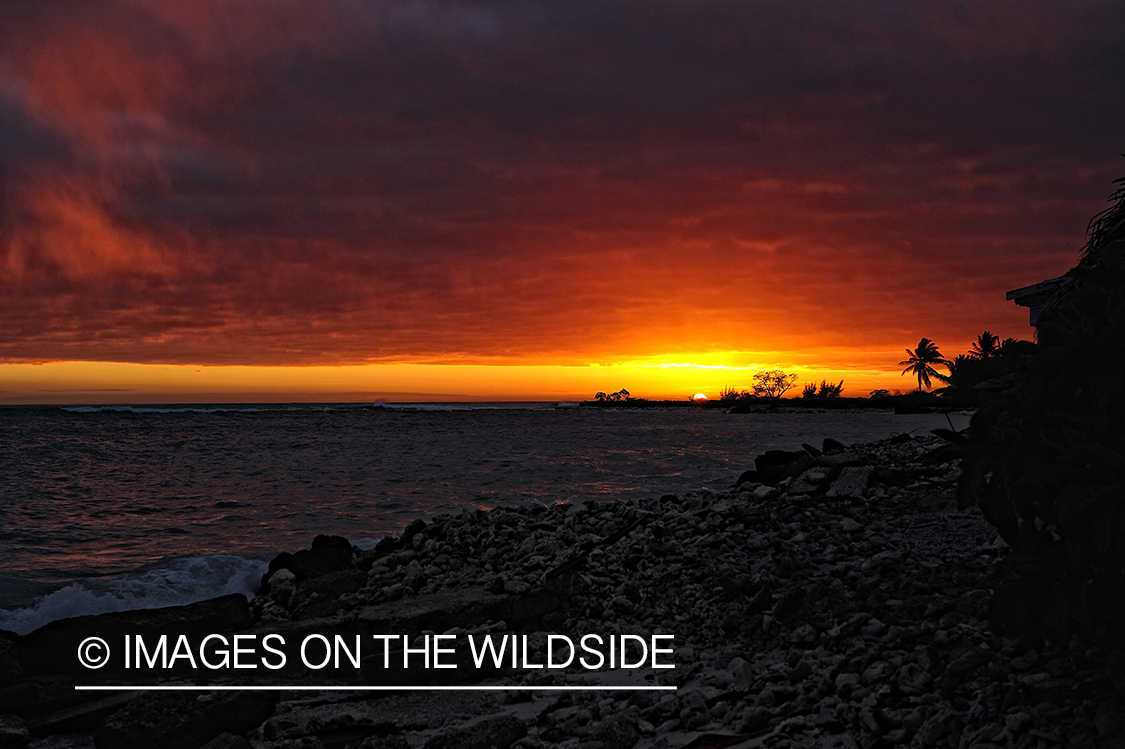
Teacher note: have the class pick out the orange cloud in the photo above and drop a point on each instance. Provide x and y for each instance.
(328, 183)
(65, 229)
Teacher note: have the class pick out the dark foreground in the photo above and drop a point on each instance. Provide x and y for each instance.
(835, 600)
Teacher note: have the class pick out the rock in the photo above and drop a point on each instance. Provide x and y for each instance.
(618, 732)
(13, 732)
(84, 717)
(465, 607)
(10, 669)
(772, 465)
(500, 732)
(788, 610)
(228, 741)
(328, 554)
(173, 720)
(967, 662)
(282, 587)
(393, 741)
(810, 450)
(831, 446)
(912, 679)
(52, 648)
(301, 742)
(852, 482)
(940, 725)
(330, 588)
(745, 476)
(809, 481)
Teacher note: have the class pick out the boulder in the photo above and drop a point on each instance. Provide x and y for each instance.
(53, 648)
(13, 732)
(772, 465)
(328, 554)
(10, 669)
(500, 732)
(174, 720)
(851, 482)
(228, 741)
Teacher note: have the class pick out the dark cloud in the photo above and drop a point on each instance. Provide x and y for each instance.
(344, 181)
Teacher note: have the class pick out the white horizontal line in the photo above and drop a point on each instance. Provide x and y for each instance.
(307, 688)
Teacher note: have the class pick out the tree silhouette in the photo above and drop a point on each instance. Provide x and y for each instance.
(986, 346)
(773, 384)
(922, 361)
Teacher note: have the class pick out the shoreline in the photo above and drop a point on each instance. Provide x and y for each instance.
(841, 603)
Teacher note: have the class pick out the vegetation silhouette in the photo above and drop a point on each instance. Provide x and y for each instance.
(922, 361)
(1044, 457)
(826, 390)
(986, 346)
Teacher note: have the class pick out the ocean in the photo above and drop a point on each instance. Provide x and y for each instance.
(117, 507)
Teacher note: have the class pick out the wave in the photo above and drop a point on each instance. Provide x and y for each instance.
(170, 410)
(217, 409)
(172, 583)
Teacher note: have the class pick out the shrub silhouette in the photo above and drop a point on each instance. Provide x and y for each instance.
(826, 390)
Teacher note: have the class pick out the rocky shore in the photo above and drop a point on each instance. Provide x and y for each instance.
(835, 597)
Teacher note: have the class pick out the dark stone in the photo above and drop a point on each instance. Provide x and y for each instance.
(831, 446)
(53, 648)
(967, 662)
(10, 669)
(393, 741)
(228, 741)
(773, 464)
(328, 554)
(342, 731)
(788, 610)
(410, 532)
(329, 588)
(81, 718)
(898, 439)
(386, 545)
(500, 732)
(13, 732)
(760, 603)
(618, 732)
(16, 696)
(732, 623)
(750, 475)
(183, 721)
(811, 450)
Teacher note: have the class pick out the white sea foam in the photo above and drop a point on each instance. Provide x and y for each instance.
(172, 583)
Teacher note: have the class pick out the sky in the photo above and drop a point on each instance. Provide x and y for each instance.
(343, 200)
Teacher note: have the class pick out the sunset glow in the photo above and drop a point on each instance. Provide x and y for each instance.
(213, 201)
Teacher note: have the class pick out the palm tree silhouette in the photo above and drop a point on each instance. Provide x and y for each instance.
(921, 362)
(986, 346)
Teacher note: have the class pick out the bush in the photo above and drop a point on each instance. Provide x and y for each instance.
(1045, 459)
(826, 390)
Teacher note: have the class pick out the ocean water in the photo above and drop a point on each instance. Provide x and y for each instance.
(112, 508)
